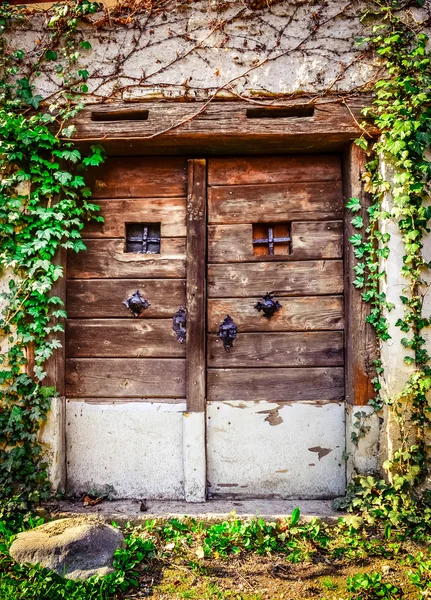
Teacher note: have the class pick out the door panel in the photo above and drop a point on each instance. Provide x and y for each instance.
(276, 384)
(298, 314)
(99, 298)
(275, 202)
(170, 213)
(275, 224)
(320, 348)
(303, 278)
(310, 240)
(274, 169)
(109, 352)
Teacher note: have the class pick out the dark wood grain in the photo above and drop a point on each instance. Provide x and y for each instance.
(361, 343)
(277, 384)
(296, 314)
(170, 213)
(275, 202)
(107, 258)
(139, 177)
(222, 128)
(320, 348)
(310, 240)
(125, 377)
(287, 278)
(196, 285)
(110, 338)
(96, 298)
(274, 169)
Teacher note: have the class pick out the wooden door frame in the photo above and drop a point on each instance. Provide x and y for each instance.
(231, 129)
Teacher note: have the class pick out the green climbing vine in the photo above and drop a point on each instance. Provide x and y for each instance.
(44, 204)
(43, 207)
(398, 178)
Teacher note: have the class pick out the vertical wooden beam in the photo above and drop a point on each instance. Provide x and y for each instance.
(194, 442)
(196, 285)
(55, 370)
(360, 338)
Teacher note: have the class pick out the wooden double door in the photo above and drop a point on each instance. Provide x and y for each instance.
(263, 251)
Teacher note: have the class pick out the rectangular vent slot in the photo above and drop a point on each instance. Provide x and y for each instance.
(284, 112)
(120, 115)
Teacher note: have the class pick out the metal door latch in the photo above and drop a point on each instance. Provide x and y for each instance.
(227, 332)
(136, 303)
(268, 306)
(179, 325)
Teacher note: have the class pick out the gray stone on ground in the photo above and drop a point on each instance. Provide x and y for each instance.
(75, 548)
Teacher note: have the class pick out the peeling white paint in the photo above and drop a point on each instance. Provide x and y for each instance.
(132, 450)
(248, 457)
(194, 456)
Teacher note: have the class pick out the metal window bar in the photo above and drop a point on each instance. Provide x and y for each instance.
(271, 240)
(140, 239)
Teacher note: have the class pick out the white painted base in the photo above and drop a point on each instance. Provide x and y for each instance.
(133, 450)
(363, 457)
(194, 457)
(265, 449)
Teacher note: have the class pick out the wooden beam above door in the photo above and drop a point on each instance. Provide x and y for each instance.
(194, 128)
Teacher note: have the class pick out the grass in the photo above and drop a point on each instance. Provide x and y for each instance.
(240, 560)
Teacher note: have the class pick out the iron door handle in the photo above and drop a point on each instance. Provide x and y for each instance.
(227, 332)
(136, 303)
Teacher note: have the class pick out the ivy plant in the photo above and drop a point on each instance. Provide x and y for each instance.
(44, 204)
(402, 112)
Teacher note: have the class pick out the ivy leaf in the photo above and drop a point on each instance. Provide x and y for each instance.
(63, 177)
(50, 55)
(356, 239)
(362, 143)
(85, 45)
(34, 101)
(358, 222)
(354, 204)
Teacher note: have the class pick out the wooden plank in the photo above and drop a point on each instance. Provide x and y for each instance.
(97, 298)
(196, 285)
(275, 202)
(310, 240)
(286, 278)
(128, 400)
(110, 338)
(170, 213)
(296, 314)
(361, 343)
(274, 169)
(276, 385)
(139, 177)
(318, 349)
(125, 377)
(107, 258)
(222, 128)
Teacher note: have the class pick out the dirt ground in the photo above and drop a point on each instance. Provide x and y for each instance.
(253, 577)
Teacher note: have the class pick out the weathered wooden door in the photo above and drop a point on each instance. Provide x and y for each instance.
(275, 417)
(136, 399)
(125, 374)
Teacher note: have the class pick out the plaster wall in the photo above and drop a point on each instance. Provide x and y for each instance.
(194, 49)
